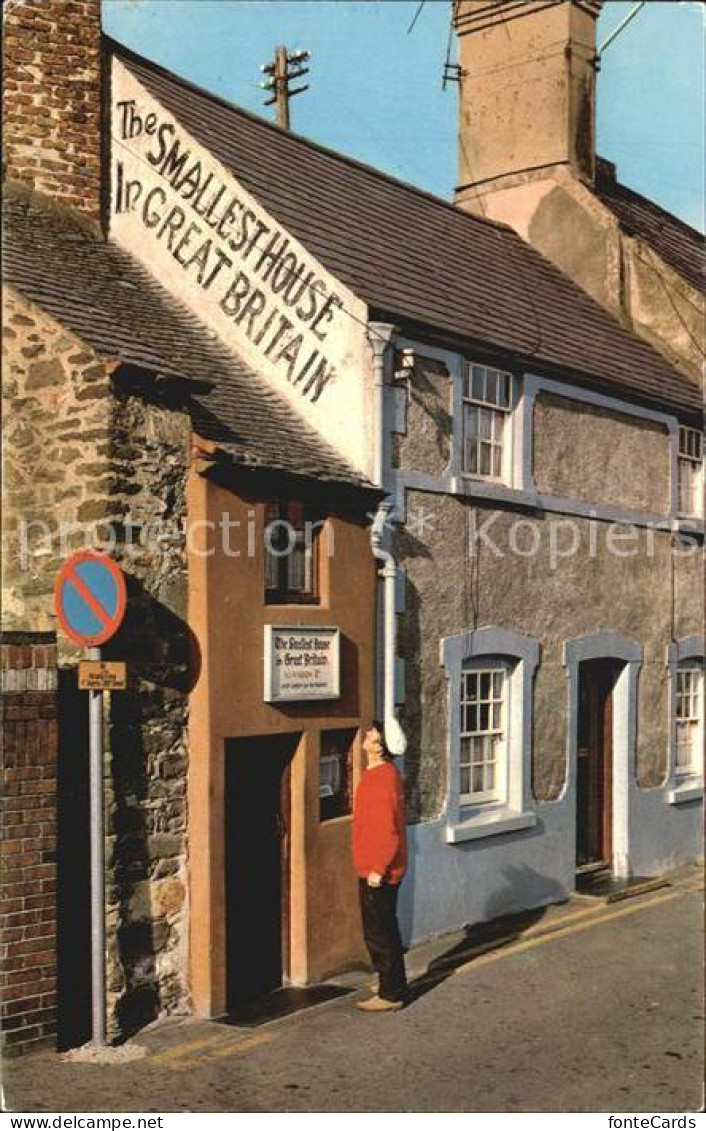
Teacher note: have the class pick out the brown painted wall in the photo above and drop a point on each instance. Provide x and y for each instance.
(227, 616)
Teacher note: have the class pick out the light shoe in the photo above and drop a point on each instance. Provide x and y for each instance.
(379, 1005)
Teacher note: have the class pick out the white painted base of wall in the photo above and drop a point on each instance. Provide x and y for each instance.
(451, 885)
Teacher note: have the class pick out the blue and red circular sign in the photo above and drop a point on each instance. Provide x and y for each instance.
(89, 597)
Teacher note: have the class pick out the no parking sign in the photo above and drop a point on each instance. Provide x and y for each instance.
(89, 598)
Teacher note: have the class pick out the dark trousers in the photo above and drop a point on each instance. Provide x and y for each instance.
(378, 909)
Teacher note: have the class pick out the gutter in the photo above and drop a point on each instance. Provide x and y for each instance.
(380, 336)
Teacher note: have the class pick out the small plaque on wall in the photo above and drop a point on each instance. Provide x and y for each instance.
(302, 662)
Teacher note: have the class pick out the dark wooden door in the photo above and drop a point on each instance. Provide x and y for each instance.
(257, 864)
(594, 786)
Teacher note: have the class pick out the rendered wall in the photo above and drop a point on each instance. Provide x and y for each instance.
(469, 563)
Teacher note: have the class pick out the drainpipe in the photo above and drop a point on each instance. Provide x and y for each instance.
(394, 735)
(380, 336)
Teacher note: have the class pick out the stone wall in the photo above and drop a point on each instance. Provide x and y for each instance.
(57, 461)
(581, 452)
(89, 462)
(52, 99)
(147, 738)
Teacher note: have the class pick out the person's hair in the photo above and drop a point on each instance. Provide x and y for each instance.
(377, 725)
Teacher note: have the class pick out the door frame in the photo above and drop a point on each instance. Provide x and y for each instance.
(601, 677)
(627, 652)
(295, 739)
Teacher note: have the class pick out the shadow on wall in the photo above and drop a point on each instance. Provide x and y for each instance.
(148, 767)
(73, 880)
(409, 645)
(502, 928)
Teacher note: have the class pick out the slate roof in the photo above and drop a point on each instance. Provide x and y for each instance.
(416, 258)
(679, 245)
(111, 302)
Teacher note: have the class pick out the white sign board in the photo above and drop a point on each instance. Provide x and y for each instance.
(301, 662)
(205, 238)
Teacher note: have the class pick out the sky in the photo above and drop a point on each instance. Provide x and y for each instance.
(375, 86)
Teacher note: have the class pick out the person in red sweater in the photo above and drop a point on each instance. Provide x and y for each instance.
(380, 861)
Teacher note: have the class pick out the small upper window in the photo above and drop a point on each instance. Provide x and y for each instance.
(291, 554)
(691, 462)
(487, 409)
(689, 717)
(483, 735)
(336, 773)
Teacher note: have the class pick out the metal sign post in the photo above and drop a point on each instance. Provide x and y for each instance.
(95, 716)
(89, 599)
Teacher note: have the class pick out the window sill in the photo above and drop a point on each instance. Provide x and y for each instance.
(499, 490)
(689, 791)
(490, 824)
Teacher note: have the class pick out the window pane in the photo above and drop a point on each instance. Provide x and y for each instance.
(472, 460)
(497, 462)
(491, 393)
(486, 424)
(489, 777)
(477, 386)
(295, 566)
(477, 779)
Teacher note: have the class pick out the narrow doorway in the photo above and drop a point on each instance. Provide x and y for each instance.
(594, 783)
(257, 865)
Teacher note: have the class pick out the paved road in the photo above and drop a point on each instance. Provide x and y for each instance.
(605, 1014)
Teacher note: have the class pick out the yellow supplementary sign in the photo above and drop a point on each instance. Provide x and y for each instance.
(102, 675)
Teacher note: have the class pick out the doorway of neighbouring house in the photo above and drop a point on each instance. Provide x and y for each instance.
(594, 784)
(257, 865)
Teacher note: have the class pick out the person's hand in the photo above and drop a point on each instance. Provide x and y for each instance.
(374, 880)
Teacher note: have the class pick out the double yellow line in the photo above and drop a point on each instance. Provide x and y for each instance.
(190, 1053)
(570, 925)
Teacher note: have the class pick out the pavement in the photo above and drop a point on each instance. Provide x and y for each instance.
(594, 1005)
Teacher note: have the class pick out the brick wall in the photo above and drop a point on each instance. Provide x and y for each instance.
(52, 99)
(28, 729)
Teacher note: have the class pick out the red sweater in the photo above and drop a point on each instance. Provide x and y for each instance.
(380, 824)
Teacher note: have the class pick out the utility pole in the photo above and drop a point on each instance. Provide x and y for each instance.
(281, 75)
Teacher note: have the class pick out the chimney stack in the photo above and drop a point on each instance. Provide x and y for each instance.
(52, 99)
(527, 92)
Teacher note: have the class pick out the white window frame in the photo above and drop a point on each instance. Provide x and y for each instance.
(483, 400)
(690, 462)
(470, 816)
(689, 696)
(686, 783)
(497, 706)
